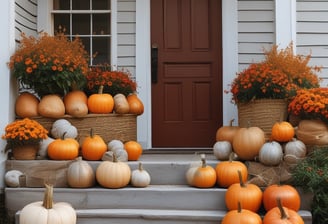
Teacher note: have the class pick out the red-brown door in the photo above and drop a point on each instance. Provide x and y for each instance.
(187, 87)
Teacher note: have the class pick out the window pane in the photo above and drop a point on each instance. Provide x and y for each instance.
(101, 24)
(81, 24)
(61, 23)
(80, 4)
(61, 4)
(86, 43)
(101, 46)
(100, 4)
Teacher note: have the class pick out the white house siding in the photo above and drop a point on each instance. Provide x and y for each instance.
(25, 18)
(126, 34)
(312, 33)
(256, 30)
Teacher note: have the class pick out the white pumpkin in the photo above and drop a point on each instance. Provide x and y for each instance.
(61, 127)
(115, 144)
(43, 150)
(120, 155)
(294, 151)
(12, 178)
(271, 153)
(140, 177)
(222, 150)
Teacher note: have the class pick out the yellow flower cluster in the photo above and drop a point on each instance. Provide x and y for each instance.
(24, 131)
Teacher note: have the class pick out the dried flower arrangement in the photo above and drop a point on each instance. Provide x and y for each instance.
(113, 81)
(278, 76)
(24, 132)
(50, 64)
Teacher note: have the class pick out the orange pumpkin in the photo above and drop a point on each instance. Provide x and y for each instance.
(248, 195)
(241, 216)
(227, 172)
(51, 106)
(282, 131)
(203, 176)
(282, 215)
(288, 195)
(134, 150)
(248, 142)
(76, 103)
(93, 147)
(63, 149)
(135, 104)
(226, 133)
(26, 105)
(101, 103)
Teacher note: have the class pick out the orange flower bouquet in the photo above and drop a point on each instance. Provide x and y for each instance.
(24, 132)
(50, 64)
(113, 82)
(310, 104)
(278, 76)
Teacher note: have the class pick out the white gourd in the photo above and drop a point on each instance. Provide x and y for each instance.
(140, 177)
(43, 150)
(294, 151)
(271, 153)
(12, 178)
(115, 144)
(61, 126)
(222, 150)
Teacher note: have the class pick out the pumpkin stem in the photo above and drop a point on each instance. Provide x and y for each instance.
(231, 157)
(242, 184)
(91, 132)
(101, 89)
(231, 121)
(202, 157)
(48, 197)
(140, 167)
(63, 136)
(281, 209)
(239, 207)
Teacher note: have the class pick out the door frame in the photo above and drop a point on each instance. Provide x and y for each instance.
(229, 63)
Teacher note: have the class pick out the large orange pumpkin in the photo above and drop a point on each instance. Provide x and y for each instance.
(101, 103)
(241, 216)
(93, 147)
(26, 105)
(76, 103)
(227, 172)
(226, 133)
(63, 149)
(135, 104)
(134, 150)
(282, 131)
(288, 195)
(248, 142)
(248, 195)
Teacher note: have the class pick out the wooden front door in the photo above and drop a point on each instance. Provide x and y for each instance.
(186, 72)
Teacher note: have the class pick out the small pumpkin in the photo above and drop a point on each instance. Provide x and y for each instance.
(203, 176)
(51, 106)
(113, 174)
(271, 153)
(101, 103)
(248, 142)
(282, 215)
(222, 150)
(48, 212)
(226, 133)
(294, 151)
(241, 216)
(121, 105)
(282, 131)
(115, 144)
(134, 150)
(288, 195)
(80, 174)
(26, 105)
(93, 147)
(248, 195)
(227, 172)
(76, 103)
(140, 177)
(61, 126)
(135, 104)
(12, 178)
(120, 154)
(43, 150)
(63, 149)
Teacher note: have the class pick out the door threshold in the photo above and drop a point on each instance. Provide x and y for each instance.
(187, 150)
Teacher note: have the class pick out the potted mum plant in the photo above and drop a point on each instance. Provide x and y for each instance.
(263, 89)
(49, 64)
(23, 138)
(113, 81)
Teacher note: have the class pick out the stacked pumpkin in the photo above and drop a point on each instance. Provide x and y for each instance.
(77, 104)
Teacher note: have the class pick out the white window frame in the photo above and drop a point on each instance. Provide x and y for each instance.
(45, 23)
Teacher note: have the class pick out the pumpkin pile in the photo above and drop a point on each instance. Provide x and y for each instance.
(77, 104)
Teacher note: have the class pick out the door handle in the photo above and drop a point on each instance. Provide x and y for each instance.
(154, 62)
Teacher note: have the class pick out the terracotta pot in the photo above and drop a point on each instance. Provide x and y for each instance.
(26, 152)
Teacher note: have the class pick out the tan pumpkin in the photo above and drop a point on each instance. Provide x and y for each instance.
(226, 133)
(121, 105)
(294, 151)
(135, 104)
(80, 174)
(26, 105)
(48, 212)
(140, 177)
(76, 103)
(51, 106)
(248, 142)
(113, 174)
(312, 132)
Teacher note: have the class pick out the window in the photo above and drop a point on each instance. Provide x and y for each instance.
(88, 19)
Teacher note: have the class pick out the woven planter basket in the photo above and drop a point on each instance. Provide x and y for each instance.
(262, 113)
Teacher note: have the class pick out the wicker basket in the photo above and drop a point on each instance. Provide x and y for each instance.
(262, 113)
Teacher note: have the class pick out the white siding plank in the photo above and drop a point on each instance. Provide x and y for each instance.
(256, 37)
(256, 27)
(255, 5)
(126, 17)
(256, 16)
